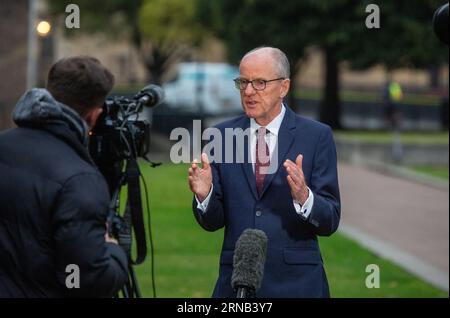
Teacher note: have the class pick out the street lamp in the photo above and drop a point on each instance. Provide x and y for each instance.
(43, 28)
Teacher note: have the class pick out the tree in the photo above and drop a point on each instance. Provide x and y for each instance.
(169, 30)
(113, 17)
(246, 24)
(290, 26)
(161, 31)
(405, 38)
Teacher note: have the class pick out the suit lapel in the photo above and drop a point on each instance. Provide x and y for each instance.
(247, 166)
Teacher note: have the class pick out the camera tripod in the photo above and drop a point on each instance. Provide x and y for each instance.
(121, 227)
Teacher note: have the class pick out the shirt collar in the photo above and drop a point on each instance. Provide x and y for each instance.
(273, 126)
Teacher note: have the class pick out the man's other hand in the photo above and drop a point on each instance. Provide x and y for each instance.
(109, 239)
(296, 180)
(200, 179)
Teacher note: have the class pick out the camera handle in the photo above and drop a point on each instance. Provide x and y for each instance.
(152, 164)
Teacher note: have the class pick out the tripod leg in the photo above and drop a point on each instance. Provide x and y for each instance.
(127, 291)
(134, 282)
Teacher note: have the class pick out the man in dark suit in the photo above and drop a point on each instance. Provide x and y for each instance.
(287, 185)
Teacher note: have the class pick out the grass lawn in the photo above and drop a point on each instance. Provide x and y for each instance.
(345, 263)
(439, 172)
(186, 256)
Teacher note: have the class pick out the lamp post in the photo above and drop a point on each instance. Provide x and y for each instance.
(32, 45)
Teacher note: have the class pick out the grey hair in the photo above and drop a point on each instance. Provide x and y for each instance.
(282, 63)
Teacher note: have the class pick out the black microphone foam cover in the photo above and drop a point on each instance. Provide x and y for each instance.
(153, 94)
(249, 259)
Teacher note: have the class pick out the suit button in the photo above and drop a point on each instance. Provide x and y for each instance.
(258, 213)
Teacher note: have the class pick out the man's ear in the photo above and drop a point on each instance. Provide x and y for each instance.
(285, 88)
(92, 116)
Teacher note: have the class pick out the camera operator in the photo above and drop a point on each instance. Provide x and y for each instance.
(53, 200)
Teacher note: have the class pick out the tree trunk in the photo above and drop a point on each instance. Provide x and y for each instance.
(291, 98)
(330, 108)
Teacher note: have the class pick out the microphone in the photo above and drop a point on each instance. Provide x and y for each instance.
(150, 96)
(248, 262)
(440, 23)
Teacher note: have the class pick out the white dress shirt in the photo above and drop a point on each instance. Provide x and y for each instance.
(271, 138)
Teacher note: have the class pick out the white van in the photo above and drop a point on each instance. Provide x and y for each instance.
(204, 88)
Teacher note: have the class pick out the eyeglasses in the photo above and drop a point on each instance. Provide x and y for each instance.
(258, 84)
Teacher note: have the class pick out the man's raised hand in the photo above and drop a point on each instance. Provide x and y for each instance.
(296, 180)
(200, 179)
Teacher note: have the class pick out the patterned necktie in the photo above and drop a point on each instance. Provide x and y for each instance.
(262, 158)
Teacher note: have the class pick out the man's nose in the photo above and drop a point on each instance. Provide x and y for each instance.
(249, 90)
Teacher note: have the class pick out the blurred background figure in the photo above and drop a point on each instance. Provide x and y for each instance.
(392, 96)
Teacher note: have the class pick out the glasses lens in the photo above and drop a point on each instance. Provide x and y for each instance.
(259, 84)
(240, 83)
(236, 83)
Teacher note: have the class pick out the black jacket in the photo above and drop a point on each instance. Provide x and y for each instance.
(53, 207)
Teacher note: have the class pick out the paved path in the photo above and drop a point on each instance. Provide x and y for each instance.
(405, 221)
